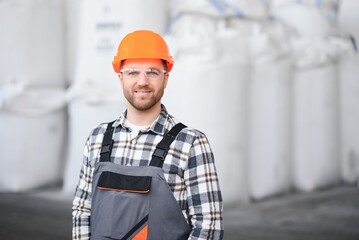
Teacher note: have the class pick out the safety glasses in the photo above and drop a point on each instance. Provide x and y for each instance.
(135, 73)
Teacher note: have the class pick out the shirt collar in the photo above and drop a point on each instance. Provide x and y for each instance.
(158, 126)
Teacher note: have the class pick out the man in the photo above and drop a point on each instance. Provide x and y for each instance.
(139, 180)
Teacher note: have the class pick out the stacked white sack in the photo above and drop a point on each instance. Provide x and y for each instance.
(32, 84)
(32, 138)
(349, 116)
(348, 19)
(32, 42)
(316, 126)
(269, 109)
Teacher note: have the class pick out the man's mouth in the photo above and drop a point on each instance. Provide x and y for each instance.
(142, 92)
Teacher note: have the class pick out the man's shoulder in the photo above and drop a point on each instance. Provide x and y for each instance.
(190, 134)
(98, 130)
(188, 129)
(193, 131)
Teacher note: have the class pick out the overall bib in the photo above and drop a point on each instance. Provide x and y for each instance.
(131, 202)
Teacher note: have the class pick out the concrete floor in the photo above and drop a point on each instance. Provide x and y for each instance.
(331, 214)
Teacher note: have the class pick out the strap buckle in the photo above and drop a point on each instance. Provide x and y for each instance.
(160, 153)
(106, 148)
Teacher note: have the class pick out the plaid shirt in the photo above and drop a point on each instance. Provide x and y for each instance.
(188, 168)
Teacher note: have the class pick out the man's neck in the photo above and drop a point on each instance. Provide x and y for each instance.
(143, 118)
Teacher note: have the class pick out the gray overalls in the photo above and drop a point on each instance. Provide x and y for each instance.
(135, 202)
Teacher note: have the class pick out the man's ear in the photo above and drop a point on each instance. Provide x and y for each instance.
(121, 79)
(166, 79)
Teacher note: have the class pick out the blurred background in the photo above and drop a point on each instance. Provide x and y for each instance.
(273, 83)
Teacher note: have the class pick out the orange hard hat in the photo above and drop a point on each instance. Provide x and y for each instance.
(142, 44)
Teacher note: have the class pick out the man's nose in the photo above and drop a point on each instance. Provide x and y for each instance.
(142, 79)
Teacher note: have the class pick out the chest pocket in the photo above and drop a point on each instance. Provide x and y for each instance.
(124, 183)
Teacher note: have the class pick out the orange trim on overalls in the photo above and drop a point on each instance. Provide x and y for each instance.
(142, 235)
(122, 190)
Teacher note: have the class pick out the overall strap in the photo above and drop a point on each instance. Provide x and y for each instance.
(163, 146)
(107, 143)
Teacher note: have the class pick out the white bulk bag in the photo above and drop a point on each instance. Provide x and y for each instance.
(33, 126)
(32, 42)
(316, 127)
(349, 116)
(102, 26)
(308, 18)
(72, 21)
(206, 90)
(316, 111)
(269, 112)
(348, 18)
(86, 109)
(316, 133)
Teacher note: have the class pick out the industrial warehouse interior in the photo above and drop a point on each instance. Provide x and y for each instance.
(274, 84)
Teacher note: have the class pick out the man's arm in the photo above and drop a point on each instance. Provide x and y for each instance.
(81, 209)
(203, 192)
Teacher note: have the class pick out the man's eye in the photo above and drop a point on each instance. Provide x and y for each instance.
(152, 73)
(133, 73)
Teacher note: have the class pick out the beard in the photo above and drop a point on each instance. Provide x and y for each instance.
(141, 103)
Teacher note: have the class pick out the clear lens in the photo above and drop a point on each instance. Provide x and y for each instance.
(135, 73)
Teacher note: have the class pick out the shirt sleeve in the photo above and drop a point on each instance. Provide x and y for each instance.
(81, 209)
(203, 192)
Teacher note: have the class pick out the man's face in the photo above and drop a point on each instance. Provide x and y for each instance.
(143, 82)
